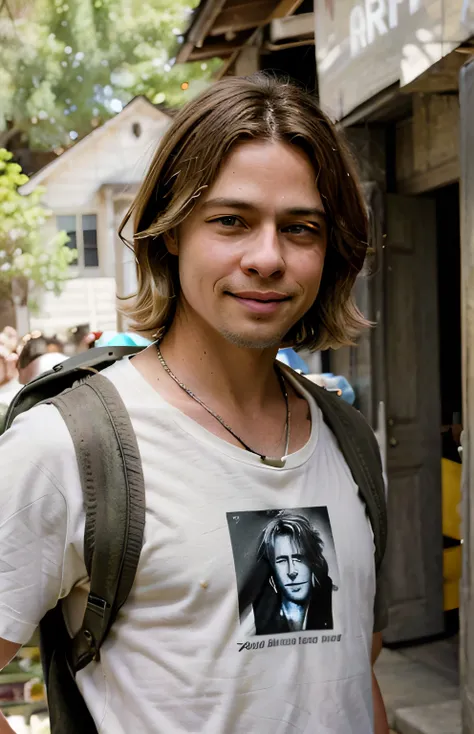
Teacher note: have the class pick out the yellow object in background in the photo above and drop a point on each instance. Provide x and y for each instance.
(452, 557)
(451, 488)
(452, 564)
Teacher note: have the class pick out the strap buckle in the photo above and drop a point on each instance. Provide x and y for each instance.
(98, 605)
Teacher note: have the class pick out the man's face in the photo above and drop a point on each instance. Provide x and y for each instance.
(251, 253)
(293, 575)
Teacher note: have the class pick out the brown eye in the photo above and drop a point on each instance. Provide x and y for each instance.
(227, 221)
(300, 229)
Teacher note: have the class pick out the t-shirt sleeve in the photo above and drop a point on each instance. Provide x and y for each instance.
(35, 454)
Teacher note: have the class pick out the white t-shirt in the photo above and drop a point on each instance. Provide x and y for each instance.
(9, 390)
(203, 644)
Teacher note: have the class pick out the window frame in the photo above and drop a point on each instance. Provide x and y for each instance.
(79, 268)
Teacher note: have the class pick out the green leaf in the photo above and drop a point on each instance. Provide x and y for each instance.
(61, 64)
(23, 252)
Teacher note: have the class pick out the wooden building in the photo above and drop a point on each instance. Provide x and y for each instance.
(399, 77)
(390, 75)
(254, 34)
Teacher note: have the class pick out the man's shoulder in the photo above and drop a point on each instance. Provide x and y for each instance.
(39, 467)
(125, 378)
(332, 404)
(38, 435)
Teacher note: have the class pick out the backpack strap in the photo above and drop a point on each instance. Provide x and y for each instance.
(114, 497)
(361, 451)
(63, 376)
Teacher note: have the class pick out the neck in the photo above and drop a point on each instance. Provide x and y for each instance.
(294, 613)
(209, 364)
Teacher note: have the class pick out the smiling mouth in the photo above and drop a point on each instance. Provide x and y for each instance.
(260, 298)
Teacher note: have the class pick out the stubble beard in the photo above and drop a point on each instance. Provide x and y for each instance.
(246, 342)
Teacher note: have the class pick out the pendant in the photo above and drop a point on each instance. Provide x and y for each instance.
(277, 463)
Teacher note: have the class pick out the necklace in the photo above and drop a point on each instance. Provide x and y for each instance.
(279, 463)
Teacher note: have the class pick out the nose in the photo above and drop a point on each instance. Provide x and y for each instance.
(292, 571)
(264, 255)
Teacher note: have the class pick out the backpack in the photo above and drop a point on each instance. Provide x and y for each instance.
(114, 502)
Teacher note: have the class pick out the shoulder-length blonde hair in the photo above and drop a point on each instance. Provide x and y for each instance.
(187, 161)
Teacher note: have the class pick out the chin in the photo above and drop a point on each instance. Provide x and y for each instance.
(253, 341)
(297, 598)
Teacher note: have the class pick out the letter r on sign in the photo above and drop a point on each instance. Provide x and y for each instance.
(375, 11)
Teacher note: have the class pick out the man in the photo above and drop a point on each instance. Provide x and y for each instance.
(250, 230)
(38, 355)
(9, 385)
(298, 592)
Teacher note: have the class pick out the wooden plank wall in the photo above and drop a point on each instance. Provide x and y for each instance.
(427, 144)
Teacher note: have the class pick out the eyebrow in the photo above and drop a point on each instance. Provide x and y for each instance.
(299, 211)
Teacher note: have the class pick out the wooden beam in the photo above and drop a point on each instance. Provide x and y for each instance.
(248, 61)
(242, 17)
(229, 29)
(440, 77)
(284, 8)
(210, 12)
(205, 16)
(427, 148)
(466, 96)
(435, 178)
(293, 27)
(232, 59)
(184, 53)
(214, 50)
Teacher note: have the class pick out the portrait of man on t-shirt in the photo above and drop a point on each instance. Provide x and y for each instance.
(297, 593)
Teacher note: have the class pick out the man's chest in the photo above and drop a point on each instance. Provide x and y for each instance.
(204, 632)
(221, 540)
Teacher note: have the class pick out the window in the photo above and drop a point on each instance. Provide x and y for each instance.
(89, 237)
(82, 233)
(68, 223)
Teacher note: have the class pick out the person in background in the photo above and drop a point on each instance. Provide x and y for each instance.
(39, 354)
(9, 385)
(80, 339)
(9, 339)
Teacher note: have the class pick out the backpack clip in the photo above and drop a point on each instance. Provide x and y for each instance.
(97, 604)
(91, 643)
(84, 649)
(87, 642)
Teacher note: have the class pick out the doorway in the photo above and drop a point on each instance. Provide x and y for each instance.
(442, 652)
(449, 310)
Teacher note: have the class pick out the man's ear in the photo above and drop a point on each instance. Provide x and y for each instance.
(171, 241)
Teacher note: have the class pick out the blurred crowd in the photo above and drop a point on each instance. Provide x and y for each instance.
(22, 359)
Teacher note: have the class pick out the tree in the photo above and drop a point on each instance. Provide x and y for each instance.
(67, 65)
(26, 262)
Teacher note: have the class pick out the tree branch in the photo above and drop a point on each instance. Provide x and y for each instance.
(7, 135)
(4, 4)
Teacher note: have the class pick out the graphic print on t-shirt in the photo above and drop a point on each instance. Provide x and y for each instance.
(286, 569)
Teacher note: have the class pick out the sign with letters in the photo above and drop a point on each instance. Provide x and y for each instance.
(365, 46)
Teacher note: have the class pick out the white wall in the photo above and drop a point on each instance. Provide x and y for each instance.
(109, 155)
(78, 184)
(84, 300)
